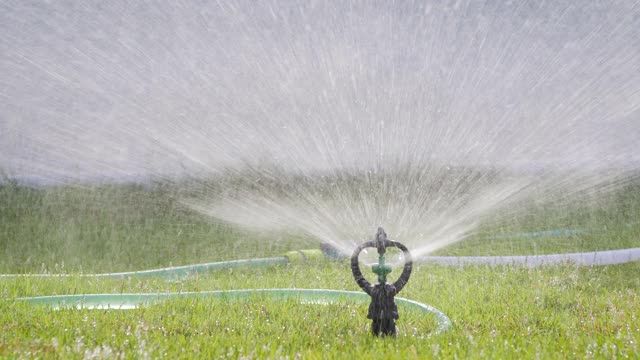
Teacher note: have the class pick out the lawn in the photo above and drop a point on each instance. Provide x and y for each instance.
(559, 311)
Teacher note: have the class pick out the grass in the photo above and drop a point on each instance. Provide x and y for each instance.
(117, 228)
(608, 222)
(131, 227)
(503, 312)
(506, 312)
(598, 239)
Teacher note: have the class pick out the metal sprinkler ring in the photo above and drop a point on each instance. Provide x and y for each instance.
(382, 311)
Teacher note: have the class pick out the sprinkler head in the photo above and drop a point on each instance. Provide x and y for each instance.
(381, 238)
(382, 311)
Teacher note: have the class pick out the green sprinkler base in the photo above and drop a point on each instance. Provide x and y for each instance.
(303, 296)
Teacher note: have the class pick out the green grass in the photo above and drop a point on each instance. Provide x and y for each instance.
(597, 239)
(117, 228)
(608, 222)
(503, 312)
(131, 227)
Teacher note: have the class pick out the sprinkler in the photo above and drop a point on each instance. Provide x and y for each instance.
(383, 311)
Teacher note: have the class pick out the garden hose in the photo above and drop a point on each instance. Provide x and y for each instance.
(303, 296)
(314, 296)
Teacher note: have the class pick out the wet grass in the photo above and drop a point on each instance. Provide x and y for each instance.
(503, 312)
(117, 228)
(608, 222)
(131, 227)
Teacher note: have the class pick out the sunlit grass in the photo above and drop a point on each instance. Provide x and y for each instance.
(558, 311)
(132, 227)
(117, 228)
(503, 312)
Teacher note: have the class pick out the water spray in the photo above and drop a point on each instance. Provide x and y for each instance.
(383, 310)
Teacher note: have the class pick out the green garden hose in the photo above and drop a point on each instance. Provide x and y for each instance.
(304, 296)
(180, 272)
(174, 272)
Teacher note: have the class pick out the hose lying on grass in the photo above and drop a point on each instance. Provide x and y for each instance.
(313, 296)
(304, 296)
